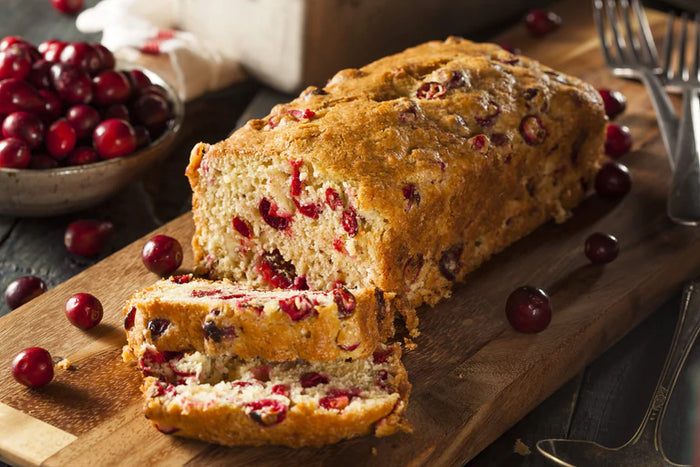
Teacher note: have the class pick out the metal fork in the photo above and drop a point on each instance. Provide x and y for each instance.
(684, 197)
(632, 54)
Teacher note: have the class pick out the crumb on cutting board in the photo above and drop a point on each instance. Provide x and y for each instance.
(521, 448)
(409, 344)
(65, 364)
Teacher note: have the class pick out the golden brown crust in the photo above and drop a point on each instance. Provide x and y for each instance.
(256, 328)
(449, 152)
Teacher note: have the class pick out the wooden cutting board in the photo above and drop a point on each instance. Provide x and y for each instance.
(473, 376)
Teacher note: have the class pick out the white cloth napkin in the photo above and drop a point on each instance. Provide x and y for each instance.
(145, 32)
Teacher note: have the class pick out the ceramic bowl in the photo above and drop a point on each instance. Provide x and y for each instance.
(49, 192)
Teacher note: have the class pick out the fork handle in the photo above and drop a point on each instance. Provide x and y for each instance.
(684, 198)
(665, 113)
(686, 332)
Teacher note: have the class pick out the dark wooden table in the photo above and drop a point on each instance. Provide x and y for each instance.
(604, 403)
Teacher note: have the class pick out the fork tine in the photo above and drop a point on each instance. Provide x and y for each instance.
(633, 47)
(648, 42)
(618, 41)
(668, 46)
(682, 68)
(600, 25)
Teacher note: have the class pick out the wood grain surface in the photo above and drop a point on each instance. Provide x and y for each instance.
(473, 376)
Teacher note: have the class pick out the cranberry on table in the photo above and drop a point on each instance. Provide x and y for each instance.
(111, 87)
(83, 118)
(162, 255)
(618, 140)
(114, 138)
(14, 153)
(614, 101)
(33, 367)
(541, 22)
(68, 7)
(22, 290)
(24, 126)
(601, 248)
(60, 138)
(613, 180)
(86, 237)
(528, 309)
(84, 310)
(15, 62)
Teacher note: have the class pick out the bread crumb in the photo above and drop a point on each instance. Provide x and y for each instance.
(374, 451)
(521, 448)
(409, 344)
(65, 364)
(414, 333)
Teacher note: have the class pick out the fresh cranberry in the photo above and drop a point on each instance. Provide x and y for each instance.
(52, 108)
(276, 271)
(532, 130)
(42, 162)
(540, 22)
(242, 227)
(107, 61)
(618, 140)
(25, 126)
(143, 138)
(51, 50)
(430, 90)
(86, 237)
(81, 55)
(449, 264)
(68, 7)
(614, 101)
(130, 318)
(114, 138)
(271, 215)
(82, 155)
(14, 154)
(33, 367)
(138, 79)
(298, 307)
(312, 379)
(39, 76)
(44, 46)
(71, 83)
(162, 255)
(349, 222)
(7, 41)
(151, 111)
(110, 87)
(60, 138)
(601, 248)
(345, 301)
(267, 412)
(83, 118)
(157, 326)
(613, 180)
(84, 310)
(22, 290)
(15, 62)
(118, 111)
(18, 95)
(528, 309)
(333, 199)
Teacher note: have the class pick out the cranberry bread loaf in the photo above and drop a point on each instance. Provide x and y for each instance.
(229, 401)
(183, 314)
(404, 175)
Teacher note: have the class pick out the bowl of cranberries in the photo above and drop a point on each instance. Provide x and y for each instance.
(76, 127)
